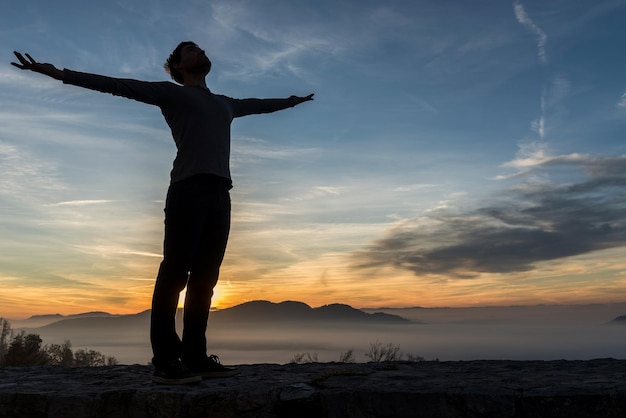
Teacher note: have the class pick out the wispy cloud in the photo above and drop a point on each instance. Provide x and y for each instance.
(112, 250)
(412, 187)
(559, 86)
(532, 222)
(550, 103)
(267, 44)
(79, 203)
(539, 125)
(246, 149)
(542, 38)
(536, 154)
(21, 172)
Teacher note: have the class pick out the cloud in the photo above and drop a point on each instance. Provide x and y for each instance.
(112, 250)
(412, 187)
(542, 38)
(329, 190)
(539, 126)
(551, 99)
(79, 203)
(23, 174)
(537, 154)
(255, 42)
(535, 221)
(247, 149)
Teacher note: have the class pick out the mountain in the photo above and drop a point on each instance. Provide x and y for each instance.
(101, 322)
(37, 321)
(250, 312)
(96, 314)
(291, 311)
(263, 311)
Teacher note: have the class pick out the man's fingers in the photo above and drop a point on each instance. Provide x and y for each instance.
(24, 63)
(21, 58)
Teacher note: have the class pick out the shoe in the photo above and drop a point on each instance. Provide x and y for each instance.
(174, 373)
(210, 366)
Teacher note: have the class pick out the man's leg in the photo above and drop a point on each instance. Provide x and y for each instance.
(182, 217)
(166, 344)
(202, 279)
(205, 271)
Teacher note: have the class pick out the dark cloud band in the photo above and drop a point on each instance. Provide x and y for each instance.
(530, 223)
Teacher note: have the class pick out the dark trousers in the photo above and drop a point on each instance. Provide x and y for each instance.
(197, 223)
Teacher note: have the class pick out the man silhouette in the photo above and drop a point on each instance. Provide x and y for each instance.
(197, 207)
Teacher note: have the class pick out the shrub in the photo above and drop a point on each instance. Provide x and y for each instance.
(302, 358)
(27, 350)
(413, 358)
(347, 356)
(61, 355)
(92, 358)
(379, 352)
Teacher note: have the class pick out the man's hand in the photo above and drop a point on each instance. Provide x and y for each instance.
(32, 65)
(297, 99)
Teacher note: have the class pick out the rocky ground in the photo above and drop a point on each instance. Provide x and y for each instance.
(571, 389)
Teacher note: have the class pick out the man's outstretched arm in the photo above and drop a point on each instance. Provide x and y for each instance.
(245, 107)
(143, 91)
(297, 99)
(38, 67)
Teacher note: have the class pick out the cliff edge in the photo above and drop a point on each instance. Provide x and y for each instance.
(519, 389)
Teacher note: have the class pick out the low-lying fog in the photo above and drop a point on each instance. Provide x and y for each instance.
(516, 333)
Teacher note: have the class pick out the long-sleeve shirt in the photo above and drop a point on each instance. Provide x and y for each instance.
(199, 120)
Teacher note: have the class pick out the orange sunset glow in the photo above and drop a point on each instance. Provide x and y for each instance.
(455, 155)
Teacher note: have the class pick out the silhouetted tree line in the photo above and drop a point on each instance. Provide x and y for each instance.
(23, 349)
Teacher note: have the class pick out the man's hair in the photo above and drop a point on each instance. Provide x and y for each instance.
(175, 58)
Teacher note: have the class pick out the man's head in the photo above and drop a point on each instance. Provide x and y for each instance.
(187, 58)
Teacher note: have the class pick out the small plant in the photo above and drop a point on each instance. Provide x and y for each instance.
(302, 358)
(413, 358)
(379, 352)
(92, 358)
(347, 356)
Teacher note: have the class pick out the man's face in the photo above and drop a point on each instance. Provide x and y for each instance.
(193, 59)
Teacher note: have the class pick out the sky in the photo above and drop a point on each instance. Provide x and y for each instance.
(456, 153)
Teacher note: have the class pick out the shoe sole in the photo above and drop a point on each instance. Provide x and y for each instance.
(178, 381)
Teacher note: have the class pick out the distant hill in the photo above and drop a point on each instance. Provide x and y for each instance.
(249, 312)
(101, 322)
(290, 311)
(37, 321)
(620, 320)
(95, 314)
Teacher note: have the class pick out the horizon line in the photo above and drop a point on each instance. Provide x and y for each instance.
(215, 309)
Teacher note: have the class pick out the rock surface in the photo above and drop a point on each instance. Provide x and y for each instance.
(595, 388)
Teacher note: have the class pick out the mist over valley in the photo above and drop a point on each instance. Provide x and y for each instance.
(266, 332)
